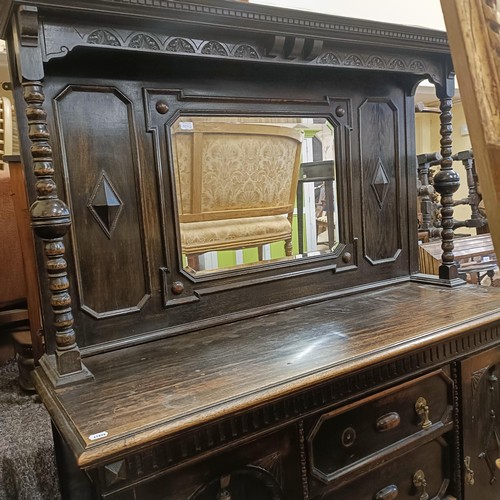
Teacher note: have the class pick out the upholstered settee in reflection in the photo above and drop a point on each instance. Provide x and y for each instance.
(236, 185)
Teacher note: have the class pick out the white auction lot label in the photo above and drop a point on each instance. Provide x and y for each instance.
(99, 435)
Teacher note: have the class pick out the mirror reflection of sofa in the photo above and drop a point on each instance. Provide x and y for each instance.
(236, 185)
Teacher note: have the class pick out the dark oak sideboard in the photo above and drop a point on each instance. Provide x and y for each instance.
(325, 368)
(324, 405)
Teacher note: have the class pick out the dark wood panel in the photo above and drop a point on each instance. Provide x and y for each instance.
(211, 300)
(99, 148)
(381, 204)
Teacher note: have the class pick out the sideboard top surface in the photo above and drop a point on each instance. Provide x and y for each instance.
(156, 390)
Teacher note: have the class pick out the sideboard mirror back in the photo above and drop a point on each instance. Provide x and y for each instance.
(126, 99)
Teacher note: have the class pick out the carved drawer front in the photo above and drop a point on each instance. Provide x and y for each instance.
(267, 468)
(421, 474)
(481, 425)
(349, 441)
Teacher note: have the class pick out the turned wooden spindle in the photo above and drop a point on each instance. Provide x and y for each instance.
(50, 221)
(426, 191)
(446, 183)
(473, 199)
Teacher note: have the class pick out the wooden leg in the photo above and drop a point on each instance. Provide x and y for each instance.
(24, 357)
(194, 261)
(288, 248)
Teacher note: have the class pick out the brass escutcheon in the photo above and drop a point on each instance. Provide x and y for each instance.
(348, 437)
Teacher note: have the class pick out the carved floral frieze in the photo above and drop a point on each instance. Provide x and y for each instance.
(58, 43)
(150, 42)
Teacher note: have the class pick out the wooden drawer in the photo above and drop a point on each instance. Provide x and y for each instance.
(353, 439)
(401, 478)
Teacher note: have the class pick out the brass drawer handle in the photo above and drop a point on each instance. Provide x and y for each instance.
(387, 493)
(388, 421)
(423, 412)
(223, 494)
(469, 473)
(421, 484)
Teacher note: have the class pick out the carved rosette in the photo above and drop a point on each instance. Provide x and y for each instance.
(51, 220)
(446, 182)
(214, 48)
(103, 37)
(180, 45)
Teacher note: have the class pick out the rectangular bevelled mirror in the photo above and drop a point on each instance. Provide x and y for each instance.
(252, 190)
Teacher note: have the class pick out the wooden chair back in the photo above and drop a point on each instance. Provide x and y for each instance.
(235, 170)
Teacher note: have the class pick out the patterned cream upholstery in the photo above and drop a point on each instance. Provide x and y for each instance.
(235, 183)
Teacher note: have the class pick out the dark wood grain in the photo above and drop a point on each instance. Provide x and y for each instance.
(348, 441)
(147, 393)
(210, 386)
(115, 286)
(430, 458)
(99, 152)
(381, 180)
(481, 405)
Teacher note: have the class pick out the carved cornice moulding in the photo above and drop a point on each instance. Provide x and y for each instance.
(264, 19)
(295, 18)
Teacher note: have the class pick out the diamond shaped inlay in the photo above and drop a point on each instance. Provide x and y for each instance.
(380, 183)
(105, 204)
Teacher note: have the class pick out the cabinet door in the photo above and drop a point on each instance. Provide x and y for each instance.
(481, 425)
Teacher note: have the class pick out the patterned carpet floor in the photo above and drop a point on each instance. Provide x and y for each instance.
(27, 462)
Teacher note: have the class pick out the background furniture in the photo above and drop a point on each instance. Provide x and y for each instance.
(7, 136)
(19, 296)
(473, 27)
(306, 378)
(475, 254)
(318, 172)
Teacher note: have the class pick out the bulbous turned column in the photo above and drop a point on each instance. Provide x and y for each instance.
(51, 221)
(446, 183)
